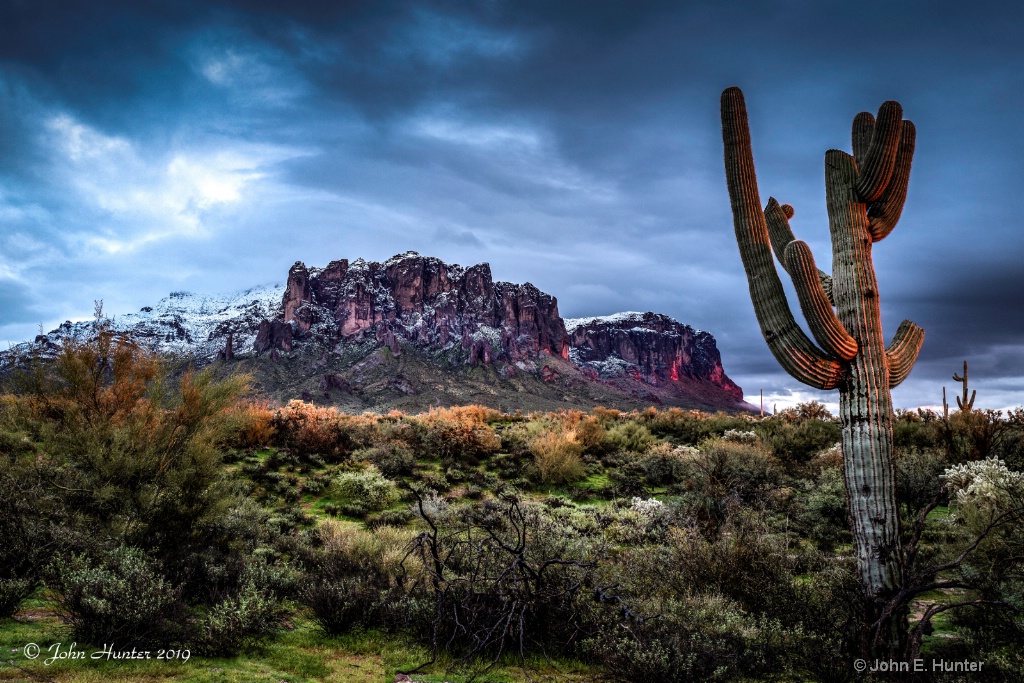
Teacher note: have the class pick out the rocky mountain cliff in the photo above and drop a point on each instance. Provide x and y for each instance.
(647, 346)
(413, 331)
(420, 301)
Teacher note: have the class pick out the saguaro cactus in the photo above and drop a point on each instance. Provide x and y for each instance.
(964, 405)
(865, 193)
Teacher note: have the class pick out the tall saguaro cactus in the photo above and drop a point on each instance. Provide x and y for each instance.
(865, 193)
(964, 405)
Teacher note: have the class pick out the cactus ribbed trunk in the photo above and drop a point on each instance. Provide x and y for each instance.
(865, 193)
(865, 405)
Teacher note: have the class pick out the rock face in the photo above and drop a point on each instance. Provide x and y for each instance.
(424, 302)
(647, 346)
(421, 301)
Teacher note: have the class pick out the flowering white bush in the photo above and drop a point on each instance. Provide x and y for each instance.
(739, 435)
(648, 507)
(986, 484)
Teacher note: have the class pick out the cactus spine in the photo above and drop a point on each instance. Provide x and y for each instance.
(865, 193)
(964, 405)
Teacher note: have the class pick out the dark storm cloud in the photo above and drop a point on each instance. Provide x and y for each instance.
(14, 304)
(572, 144)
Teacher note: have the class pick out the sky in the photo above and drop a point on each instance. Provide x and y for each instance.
(150, 147)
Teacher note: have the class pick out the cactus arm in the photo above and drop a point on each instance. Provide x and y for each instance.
(822, 320)
(876, 170)
(777, 216)
(863, 127)
(969, 404)
(795, 352)
(902, 353)
(885, 212)
(780, 234)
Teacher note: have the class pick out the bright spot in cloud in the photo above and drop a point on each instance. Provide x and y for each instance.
(142, 199)
(221, 70)
(82, 143)
(477, 136)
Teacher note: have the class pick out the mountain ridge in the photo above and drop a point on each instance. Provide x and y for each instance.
(440, 325)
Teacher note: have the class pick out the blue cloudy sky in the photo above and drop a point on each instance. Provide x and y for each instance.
(147, 147)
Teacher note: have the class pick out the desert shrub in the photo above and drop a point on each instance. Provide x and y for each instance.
(397, 518)
(365, 491)
(690, 426)
(821, 510)
(504, 577)
(690, 608)
(606, 416)
(663, 464)
(392, 458)
(688, 638)
(795, 439)
(250, 425)
(354, 579)
(558, 456)
(723, 476)
(722, 468)
(12, 593)
(917, 478)
(132, 456)
(746, 565)
(627, 435)
(31, 517)
(137, 494)
(459, 435)
(243, 618)
(121, 599)
(639, 522)
(919, 430)
(311, 429)
(809, 410)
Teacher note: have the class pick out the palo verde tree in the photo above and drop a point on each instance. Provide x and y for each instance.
(865, 193)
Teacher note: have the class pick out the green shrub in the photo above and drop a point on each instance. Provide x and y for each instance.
(353, 579)
(393, 458)
(123, 599)
(459, 435)
(795, 439)
(504, 577)
(12, 593)
(365, 491)
(722, 467)
(821, 513)
(246, 617)
(690, 427)
(688, 638)
(917, 478)
(627, 436)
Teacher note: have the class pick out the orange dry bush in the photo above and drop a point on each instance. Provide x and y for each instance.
(307, 428)
(252, 424)
(459, 434)
(607, 414)
(558, 456)
(587, 428)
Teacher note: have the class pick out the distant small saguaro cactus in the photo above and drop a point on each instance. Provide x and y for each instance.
(865, 193)
(964, 405)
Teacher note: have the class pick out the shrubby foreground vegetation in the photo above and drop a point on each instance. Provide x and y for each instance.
(662, 545)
